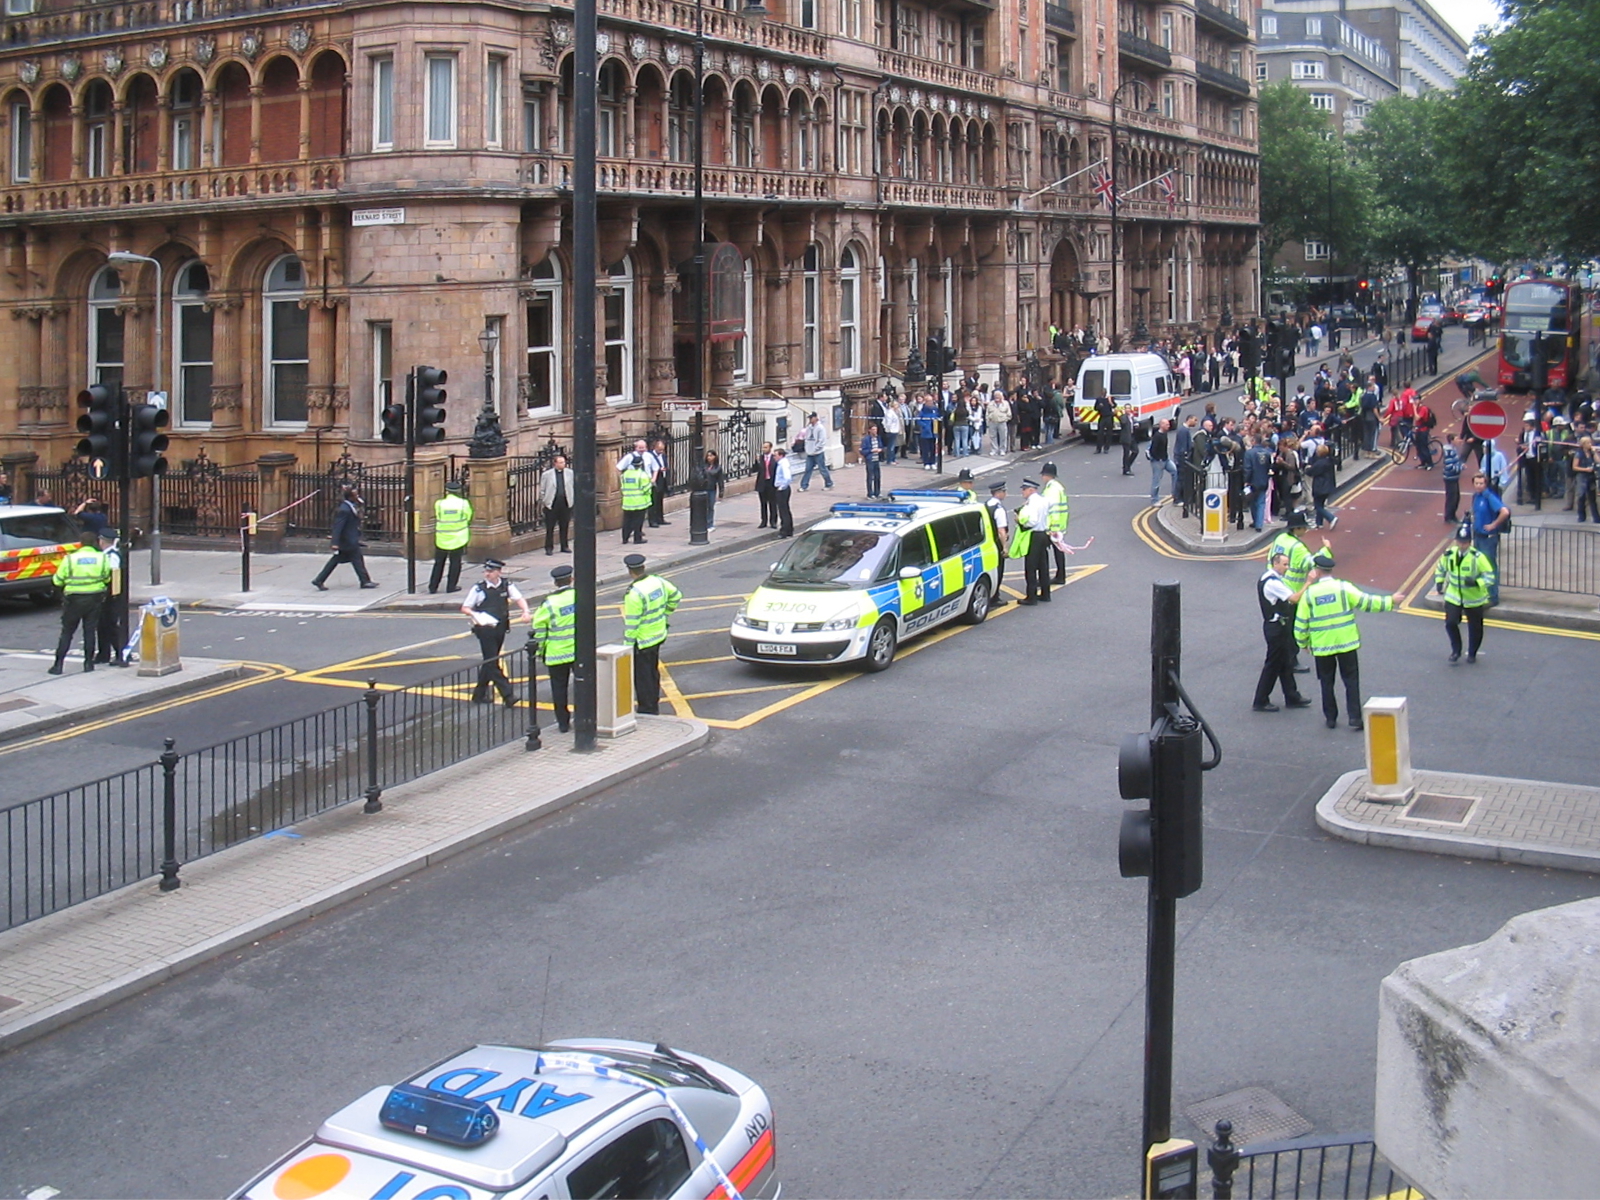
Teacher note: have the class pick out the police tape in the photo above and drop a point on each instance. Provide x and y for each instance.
(1060, 542)
(603, 1068)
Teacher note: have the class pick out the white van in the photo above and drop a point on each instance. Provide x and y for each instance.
(1142, 382)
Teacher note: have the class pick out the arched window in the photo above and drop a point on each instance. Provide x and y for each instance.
(20, 110)
(619, 334)
(849, 312)
(543, 388)
(608, 124)
(680, 118)
(191, 344)
(810, 356)
(97, 130)
(184, 141)
(287, 338)
(746, 148)
(105, 327)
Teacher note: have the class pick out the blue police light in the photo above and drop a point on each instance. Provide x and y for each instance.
(438, 1116)
(926, 494)
(901, 512)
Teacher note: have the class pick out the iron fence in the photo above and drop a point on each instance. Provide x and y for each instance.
(1551, 558)
(1304, 1169)
(1409, 364)
(383, 493)
(732, 439)
(91, 839)
(523, 472)
(71, 484)
(205, 500)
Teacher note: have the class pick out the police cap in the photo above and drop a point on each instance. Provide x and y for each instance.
(1049, 469)
(1323, 559)
(633, 562)
(997, 487)
(493, 564)
(965, 476)
(455, 485)
(1033, 483)
(1297, 520)
(561, 573)
(109, 535)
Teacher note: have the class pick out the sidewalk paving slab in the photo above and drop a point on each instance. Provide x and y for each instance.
(1504, 820)
(32, 701)
(86, 957)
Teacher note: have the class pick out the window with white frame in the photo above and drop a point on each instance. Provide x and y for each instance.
(1317, 250)
(746, 152)
(849, 312)
(382, 370)
(21, 142)
(383, 102)
(1269, 26)
(1166, 26)
(18, 8)
(97, 130)
(1305, 70)
(852, 132)
(680, 118)
(1261, 72)
(185, 103)
(1169, 99)
(532, 119)
(741, 347)
(495, 379)
(1322, 101)
(806, 14)
(810, 349)
(494, 101)
(850, 18)
(950, 302)
(439, 100)
(913, 300)
(1236, 121)
(1314, 27)
(543, 388)
(946, 39)
(619, 334)
(192, 344)
(608, 121)
(287, 338)
(105, 327)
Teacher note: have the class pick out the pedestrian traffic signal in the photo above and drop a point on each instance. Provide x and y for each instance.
(101, 427)
(1249, 350)
(1163, 842)
(392, 428)
(147, 443)
(431, 399)
(950, 358)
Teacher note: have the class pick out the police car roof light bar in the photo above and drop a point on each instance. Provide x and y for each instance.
(920, 494)
(903, 511)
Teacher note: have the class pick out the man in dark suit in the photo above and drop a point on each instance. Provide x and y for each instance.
(766, 489)
(346, 541)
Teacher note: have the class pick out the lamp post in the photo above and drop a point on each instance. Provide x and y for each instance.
(487, 439)
(1116, 195)
(122, 258)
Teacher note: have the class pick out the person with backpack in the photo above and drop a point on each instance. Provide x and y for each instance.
(1422, 436)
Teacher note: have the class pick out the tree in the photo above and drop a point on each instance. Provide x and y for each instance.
(1310, 187)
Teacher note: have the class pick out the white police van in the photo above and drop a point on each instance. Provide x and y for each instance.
(567, 1121)
(1142, 383)
(863, 579)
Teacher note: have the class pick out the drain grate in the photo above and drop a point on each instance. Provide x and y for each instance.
(1442, 810)
(1257, 1116)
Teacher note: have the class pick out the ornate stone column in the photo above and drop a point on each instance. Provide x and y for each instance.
(274, 471)
(491, 520)
(256, 91)
(227, 387)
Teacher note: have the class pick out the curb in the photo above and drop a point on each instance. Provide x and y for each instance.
(106, 708)
(1435, 842)
(1548, 618)
(37, 1024)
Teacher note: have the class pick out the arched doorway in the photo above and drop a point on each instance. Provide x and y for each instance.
(1067, 307)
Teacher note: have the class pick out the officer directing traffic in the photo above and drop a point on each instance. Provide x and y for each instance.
(1464, 576)
(555, 640)
(1291, 542)
(649, 601)
(1326, 623)
(1031, 543)
(452, 529)
(84, 577)
(489, 605)
(1278, 603)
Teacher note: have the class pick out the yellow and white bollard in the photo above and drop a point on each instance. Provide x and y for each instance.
(614, 690)
(1214, 515)
(1388, 734)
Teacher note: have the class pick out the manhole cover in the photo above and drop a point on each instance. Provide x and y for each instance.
(14, 704)
(1257, 1116)
(1444, 810)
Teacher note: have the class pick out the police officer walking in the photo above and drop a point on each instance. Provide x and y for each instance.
(489, 605)
(1031, 543)
(1464, 576)
(84, 577)
(1000, 520)
(1277, 626)
(636, 493)
(1290, 542)
(1060, 517)
(554, 635)
(452, 529)
(1326, 623)
(646, 605)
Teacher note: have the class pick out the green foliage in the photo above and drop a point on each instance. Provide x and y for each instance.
(1310, 187)
(1414, 214)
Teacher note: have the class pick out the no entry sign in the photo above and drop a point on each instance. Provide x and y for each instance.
(1486, 419)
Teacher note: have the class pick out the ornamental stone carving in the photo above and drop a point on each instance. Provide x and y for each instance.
(71, 67)
(673, 54)
(562, 34)
(790, 75)
(602, 42)
(638, 47)
(205, 50)
(113, 62)
(250, 44)
(299, 38)
(156, 56)
(30, 71)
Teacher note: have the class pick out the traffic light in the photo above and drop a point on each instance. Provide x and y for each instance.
(1249, 350)
(1163, 841)
(950, 358)
(101, 427)
(392, 428)
(935, 355)
(431, 399)
(1283, 339)
(147, 444)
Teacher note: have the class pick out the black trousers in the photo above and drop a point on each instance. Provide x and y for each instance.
(647, 678)
(555, 518)
(1060, 558)
(1452, 627)
(658, 504)
(490, 639)
(81, 608)
(109, 635)
(1348, 666)
(769, 507)
(1036, 567)
(633, 525)
(440, 558)
(1130, 452)
(780, 500)
(560, 680)
(1279, 666)
(353, 557)
(1452, 498)
(1103, 439)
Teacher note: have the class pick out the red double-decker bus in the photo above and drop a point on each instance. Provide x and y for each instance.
(1541, 338)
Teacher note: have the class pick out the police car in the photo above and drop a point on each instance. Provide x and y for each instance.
(33, 539)
(857, 583)
(566, 1121)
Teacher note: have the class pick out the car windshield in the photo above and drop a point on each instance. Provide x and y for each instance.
(37, 529)
(833, 558)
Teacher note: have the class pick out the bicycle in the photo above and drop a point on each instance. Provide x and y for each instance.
(1401, 449)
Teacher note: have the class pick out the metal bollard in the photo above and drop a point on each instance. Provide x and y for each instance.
(533, 742)
(169, 818)
(374, 792)
(247, 530)
(1223, 1159)
(699, 518)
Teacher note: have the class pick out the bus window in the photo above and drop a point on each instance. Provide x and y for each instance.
(1094, 385)
(1517, 351)
(1121, 383)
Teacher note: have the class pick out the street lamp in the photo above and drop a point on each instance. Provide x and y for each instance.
(487, 439)
(1116, 194)
(122, 258)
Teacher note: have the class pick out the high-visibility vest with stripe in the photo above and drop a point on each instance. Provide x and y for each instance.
(452, 517)
(1060, 513)
(555, 625)
(1299, 559)
(1456, 568)
(1326, 619)
(635, 490)
(84, 571)
(645, 609)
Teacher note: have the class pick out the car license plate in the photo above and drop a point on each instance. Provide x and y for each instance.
(775, 648)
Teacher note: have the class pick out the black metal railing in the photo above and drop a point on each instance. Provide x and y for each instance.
(1223, 19)
(1546, 476)
(1551, 558)
(1060, 17)
(1303, 1169)
(1134, 46)
(1344, 442)
(88, 840)
(70, 484)
(1222, 78)
(383, 495)
(523, 473)
(1409, 364)
(732, 439)
(205, 500)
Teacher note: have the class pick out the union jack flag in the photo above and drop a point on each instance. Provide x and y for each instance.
(1104, 187)
(1165, 187)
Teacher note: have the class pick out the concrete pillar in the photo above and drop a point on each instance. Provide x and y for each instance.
(274, 471)
(491, 523)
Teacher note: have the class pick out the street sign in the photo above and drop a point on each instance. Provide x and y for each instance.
(1486, 419)
(689, 406)
(377, 216)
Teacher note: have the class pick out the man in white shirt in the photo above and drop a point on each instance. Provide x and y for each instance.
(1001, 520)
(488, 604)
(782, 481)
(652, 461)
(1032, 542)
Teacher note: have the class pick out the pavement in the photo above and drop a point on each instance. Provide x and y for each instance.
(32, 702)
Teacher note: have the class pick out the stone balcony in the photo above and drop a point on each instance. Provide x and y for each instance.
(212, 188)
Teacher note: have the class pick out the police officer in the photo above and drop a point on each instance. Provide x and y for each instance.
(1277, 626)
(1325, 622)
(1060, 517)
(1464, 576)
(84, 577)
(647, 604)
(555, 639)
(111, 638)
(1001, 521)
(1031, 543)
(489, 605)
(452, 522)
(1291, 542)
(636, 496)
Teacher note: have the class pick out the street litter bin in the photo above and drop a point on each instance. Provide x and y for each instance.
(158, 637)
(614, 693)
